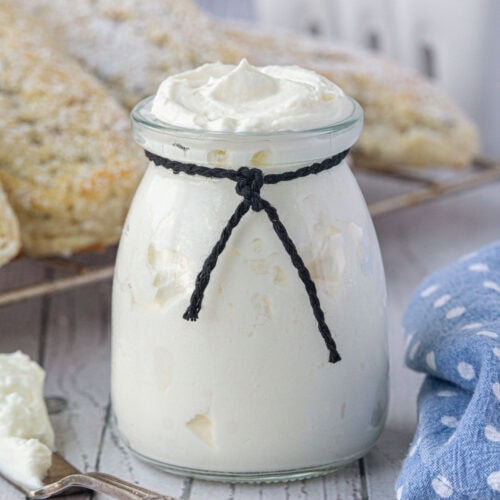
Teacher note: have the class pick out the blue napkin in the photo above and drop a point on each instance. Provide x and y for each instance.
(453, 335)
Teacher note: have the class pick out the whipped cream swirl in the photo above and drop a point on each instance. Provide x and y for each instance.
(244, 98)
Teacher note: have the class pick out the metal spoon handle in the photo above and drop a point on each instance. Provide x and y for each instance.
(99, 482)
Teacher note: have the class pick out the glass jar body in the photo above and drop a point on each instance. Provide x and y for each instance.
(246, 392)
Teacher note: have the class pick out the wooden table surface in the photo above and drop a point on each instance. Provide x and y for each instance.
(69, 334)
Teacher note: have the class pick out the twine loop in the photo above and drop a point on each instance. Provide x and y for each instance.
(249, 182)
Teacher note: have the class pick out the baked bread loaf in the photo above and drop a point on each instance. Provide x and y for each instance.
(67, 161)
(408, 120)
(10, 241)
(133, 45)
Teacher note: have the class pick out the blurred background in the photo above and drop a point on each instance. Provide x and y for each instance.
(455, 43)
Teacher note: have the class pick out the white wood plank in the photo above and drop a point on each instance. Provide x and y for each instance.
(383, 462)
(205, 490)
(77, 364)
(20, 323)
(414, 242)
(343, 484)
(275, 491)
(19, 327)
(109, 452)
(36, 325)
(116, 459)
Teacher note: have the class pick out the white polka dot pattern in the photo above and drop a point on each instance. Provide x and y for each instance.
(466, 370)
(454, 320)
(429, 291)
(496, 389)
(492, 434)
(409, 338)
(399, 493)
(441, 301)
(446, 394)
(414, 349)
(492, 286)
(494, 480)
(449, 421)
(414, 448)
(430, 359)
(479, 268)
(455, 312)
(442, 487)
(487, 333)
(472, 326)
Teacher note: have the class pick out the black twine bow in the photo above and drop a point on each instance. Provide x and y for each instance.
(249, 182)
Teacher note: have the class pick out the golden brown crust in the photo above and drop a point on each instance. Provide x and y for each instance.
(67, 160)
(132, 45)
(408, 120)
(10, 240)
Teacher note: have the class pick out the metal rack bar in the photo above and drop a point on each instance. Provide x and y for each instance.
(484, 171)
(58, 285)
(435, 189)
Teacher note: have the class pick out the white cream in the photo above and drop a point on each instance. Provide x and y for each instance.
(26, 435)
(25, 461)
(244, 98)
(248, 388)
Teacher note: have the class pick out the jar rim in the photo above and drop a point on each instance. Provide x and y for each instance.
(142, 116)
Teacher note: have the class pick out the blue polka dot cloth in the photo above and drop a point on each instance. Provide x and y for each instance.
(452, 328)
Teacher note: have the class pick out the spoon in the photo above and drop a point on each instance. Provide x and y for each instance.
(63, 477)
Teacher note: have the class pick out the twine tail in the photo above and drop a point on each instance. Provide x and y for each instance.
(304, 275)
(203, 277)
(249, 181)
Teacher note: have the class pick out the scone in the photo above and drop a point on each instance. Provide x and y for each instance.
(133, 45)
(67, 161)
(408, 120)
(10, 241)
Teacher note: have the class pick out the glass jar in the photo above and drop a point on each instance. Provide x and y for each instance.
(246, 393)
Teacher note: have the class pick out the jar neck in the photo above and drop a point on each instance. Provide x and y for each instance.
(272, 152)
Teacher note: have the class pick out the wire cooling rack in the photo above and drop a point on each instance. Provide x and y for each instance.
(427, 185)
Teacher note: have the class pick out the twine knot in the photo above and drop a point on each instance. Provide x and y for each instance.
(248, 184)
(249, 181)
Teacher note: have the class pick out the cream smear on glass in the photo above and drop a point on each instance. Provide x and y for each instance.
(248, 388)
(26, 435)
(244, 98)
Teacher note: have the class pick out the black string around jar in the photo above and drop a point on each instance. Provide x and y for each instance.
(249, 182)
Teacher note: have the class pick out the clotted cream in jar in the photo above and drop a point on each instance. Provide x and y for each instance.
(247, 392)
